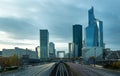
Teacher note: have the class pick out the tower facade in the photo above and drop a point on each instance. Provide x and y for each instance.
(44, 40)
(100, 33)
(94, 31)
(70, 48)
(51, 50)
(77, 40)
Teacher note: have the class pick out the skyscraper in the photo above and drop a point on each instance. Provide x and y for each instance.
(77, 40)
(100, 33)
(70, 48)
(51, 50)
(94, 31)
(44, 40)
(38, 51)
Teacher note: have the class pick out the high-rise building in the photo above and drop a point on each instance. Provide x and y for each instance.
(38, 51)
(70, 48)
(44, 40)
(51, 50)
(0, 53)
(94, 31)
(77, 40)
(100, 33)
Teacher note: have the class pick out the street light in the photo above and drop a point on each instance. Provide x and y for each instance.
(94, 56)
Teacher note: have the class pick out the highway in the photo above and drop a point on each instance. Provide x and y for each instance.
(86, 70)
(41, 70)
(61, 70)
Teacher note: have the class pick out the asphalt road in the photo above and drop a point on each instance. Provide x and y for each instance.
(85, 70)
(41, 70)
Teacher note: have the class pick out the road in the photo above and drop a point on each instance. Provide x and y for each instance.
(80, 70)
(61, 70)
(41, 70)
(85, 70)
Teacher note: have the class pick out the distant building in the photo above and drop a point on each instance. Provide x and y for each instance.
(70, 47)
(66, 55)
(106, 51)
(100, 33)
(0, 53)
(59, 54)
(51, 50)
(96, 52)
(112, 55)
(44, 40)
(93, 38)
(84, 45)
(94, 31)
(77, 40)
(19, 52)
(91, 30)
(38, 51)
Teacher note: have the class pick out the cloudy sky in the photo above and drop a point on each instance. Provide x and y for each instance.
(20, 21)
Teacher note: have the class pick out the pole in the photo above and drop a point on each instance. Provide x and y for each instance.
(94, 56)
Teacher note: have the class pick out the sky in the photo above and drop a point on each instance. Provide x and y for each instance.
(21, 20)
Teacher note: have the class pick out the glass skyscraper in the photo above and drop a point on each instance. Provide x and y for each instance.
(44, 42)
(94, 31)
(51, 50)
(70, 48)
(100, 33)
(77, 40)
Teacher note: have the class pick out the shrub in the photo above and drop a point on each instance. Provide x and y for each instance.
(116, 65)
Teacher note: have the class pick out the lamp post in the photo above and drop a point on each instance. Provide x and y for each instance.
(94, 56)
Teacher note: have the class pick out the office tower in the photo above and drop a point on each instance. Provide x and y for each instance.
(38, 51)
(94, 31)
(91, 30)
(100, 33)
(44, 40)
(51, 50)
(91, 17)
(77, 40)
(0, 53)
(70, 48)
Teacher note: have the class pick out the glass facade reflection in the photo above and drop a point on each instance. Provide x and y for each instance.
(94, 31)
(77, 40)
(100, 33)
(44, 40)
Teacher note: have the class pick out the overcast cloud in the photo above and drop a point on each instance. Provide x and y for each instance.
(21, 20)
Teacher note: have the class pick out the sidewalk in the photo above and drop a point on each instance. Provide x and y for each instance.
(98, 66)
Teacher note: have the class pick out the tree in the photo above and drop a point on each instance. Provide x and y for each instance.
(13, 60)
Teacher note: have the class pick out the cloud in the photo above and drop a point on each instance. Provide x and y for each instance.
(23, 19)
(15, 43)
(18, 28)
